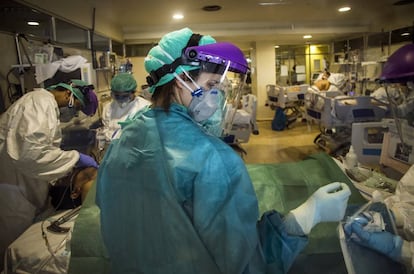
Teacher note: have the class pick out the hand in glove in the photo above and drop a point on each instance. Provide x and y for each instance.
(327, 204)
(382, 242)
(86, 161)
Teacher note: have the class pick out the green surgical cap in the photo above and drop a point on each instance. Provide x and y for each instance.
(79, 83)
(76, 91)
(168, 49)
(123, 82)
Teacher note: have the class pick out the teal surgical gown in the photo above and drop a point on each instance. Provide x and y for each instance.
(174, 199)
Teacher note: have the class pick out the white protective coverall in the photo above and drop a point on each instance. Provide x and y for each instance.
(402, 206)
(112, 114)
(30, 159)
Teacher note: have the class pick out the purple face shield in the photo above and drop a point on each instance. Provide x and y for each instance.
(223, 54)
(221, 58)
(399, 67)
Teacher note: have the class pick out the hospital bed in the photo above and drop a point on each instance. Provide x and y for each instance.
(280, 186)
(335, 114)
(244, 123)
(289, 98)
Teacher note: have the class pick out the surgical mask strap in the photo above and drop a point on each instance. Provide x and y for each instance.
(155, 58)
(71, 100)
(197, 92)
(166, 53)
(191, 79)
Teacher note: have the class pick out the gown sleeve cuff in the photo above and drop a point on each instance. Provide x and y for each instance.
(292, 226)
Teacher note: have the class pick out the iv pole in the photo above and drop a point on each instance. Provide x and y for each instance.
(21, 66)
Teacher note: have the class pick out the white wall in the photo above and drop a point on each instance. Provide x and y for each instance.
(264, 73)
(138, 71)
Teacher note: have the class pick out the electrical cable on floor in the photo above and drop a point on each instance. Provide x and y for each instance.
(44, 232)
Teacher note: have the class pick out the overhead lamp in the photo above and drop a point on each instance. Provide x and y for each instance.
(344, 9)
(178, 16)
(405, 34)
(308, 36)
(276, 47)
(267, 4)
(33, 23)
(279, 2)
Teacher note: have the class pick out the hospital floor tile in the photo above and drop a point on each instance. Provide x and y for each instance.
(290, 145)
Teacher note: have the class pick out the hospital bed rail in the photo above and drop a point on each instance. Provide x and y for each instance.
(289, 98)
(335, 115)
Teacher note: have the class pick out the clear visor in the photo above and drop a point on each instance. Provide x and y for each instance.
(121, 96)
(400, 98)
(233, 101)
(230, 87)
(401, 103)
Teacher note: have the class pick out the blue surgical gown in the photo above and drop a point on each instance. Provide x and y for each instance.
(174, 199)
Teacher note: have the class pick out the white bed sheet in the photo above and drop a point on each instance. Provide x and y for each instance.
(29, 253)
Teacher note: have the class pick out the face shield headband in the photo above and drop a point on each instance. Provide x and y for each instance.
(217, 58)
(156, 75)
(225, 59)
(205, 67)
(193, 55)
(221, 54)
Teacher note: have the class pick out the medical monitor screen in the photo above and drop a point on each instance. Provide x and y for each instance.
(315, 76)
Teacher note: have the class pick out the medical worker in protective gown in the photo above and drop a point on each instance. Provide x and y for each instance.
(124, 103)
(174, 197)
(399, 68)
(30, 154)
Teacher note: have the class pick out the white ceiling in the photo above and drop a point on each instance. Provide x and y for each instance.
(245, 21)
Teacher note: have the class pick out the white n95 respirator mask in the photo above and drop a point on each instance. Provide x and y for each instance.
(203, 104)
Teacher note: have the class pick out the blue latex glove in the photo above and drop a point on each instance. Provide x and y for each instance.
(382, 242)
(86, 161)
(327, 204)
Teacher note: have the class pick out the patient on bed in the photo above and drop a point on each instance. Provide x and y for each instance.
(71, 190)
(322, 84)
(30, 253)
(330, 82)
